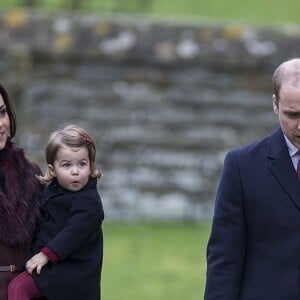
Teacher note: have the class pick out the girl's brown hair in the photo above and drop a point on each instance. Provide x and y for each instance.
(71, 136)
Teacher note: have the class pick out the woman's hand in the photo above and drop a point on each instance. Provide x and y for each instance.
(36, 262)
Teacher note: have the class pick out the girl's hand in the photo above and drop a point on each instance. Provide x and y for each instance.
(36, 262)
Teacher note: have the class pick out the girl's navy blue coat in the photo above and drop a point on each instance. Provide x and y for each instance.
(71, 227)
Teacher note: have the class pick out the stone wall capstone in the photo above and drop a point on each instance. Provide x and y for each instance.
(164, 101)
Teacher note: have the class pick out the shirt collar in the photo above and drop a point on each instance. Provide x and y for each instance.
(293, 150)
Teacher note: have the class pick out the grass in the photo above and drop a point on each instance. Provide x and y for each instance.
(254, 12)
(154, 261)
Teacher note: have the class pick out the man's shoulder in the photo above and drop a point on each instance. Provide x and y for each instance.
(262, 145)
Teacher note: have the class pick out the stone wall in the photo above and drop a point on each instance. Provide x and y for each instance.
(164, 101)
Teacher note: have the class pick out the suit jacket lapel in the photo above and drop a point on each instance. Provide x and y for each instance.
(282, 167)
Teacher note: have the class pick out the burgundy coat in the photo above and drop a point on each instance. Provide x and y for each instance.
(19, 209)
(71, 227)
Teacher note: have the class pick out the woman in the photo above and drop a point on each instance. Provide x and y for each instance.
(19, 194)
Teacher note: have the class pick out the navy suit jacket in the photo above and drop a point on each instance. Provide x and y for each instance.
(254, 248)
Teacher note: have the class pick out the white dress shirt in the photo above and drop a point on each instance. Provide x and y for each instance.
(293, 151)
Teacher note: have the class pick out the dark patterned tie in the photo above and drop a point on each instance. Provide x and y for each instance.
(298, 169)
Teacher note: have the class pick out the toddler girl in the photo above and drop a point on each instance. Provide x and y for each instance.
(68, 246)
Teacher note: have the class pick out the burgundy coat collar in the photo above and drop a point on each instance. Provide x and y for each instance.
(19, 194)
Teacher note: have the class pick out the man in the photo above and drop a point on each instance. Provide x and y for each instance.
(254, 248)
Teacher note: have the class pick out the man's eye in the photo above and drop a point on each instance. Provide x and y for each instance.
(293, 116)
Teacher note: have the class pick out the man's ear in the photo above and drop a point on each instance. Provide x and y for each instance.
(51, 170)
(275, 103)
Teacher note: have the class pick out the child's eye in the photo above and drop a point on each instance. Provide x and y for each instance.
(66, 165)
(82, 164)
